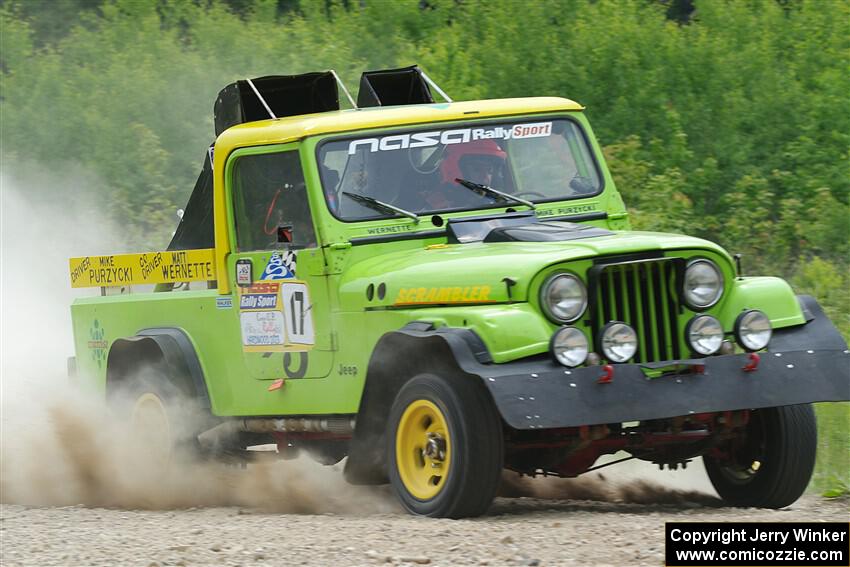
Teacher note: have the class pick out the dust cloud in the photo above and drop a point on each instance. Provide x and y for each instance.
(646, 488)
(60, 446)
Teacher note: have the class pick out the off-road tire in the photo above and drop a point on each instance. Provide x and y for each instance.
(475, 434)
(142, 398)
(783, 441)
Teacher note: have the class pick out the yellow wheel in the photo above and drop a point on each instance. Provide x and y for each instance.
(151, 430)
(163, 421)
(423, 449)
(444, 446)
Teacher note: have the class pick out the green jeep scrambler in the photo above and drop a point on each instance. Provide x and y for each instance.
(441, 290)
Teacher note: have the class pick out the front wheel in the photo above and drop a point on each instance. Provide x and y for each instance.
(444, 447)
(771, 464)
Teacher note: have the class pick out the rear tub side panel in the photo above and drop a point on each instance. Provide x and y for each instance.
(173, 347)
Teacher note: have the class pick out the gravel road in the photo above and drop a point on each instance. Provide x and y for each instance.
(517, 531)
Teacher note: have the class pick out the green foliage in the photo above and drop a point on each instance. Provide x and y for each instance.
(731, 122)
(832, 472)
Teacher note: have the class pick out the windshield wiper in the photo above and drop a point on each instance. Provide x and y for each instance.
(380, 206)
(487, 191)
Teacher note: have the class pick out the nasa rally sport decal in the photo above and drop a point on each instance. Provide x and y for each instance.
(448, 137)
(280, 266)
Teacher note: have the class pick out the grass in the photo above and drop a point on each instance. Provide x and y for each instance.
(832, 470)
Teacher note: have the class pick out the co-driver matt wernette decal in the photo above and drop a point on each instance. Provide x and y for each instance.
(448, 137)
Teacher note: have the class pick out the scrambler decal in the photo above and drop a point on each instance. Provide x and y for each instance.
(427, 295)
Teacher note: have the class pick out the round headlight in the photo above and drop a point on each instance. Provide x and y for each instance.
(705, 334)
(753, 330)
(569, 346)
(703, 284)
(618, 342)
(563, 297)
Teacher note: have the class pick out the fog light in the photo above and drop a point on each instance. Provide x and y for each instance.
(753, 330)
(618, 342)
(569, 346)
(704, 334)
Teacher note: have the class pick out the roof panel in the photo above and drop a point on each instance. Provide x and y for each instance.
(296, 127)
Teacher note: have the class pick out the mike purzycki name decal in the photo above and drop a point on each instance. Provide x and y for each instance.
(448, 137)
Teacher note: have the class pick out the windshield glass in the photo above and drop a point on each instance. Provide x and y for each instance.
(416, 170)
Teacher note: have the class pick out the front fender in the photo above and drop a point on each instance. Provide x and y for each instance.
(773, 296)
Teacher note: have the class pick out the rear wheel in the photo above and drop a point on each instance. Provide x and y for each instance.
(444, 447)
(771, 464)
(163, 421)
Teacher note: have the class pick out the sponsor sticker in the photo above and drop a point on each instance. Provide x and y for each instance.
(449, 137)
(251, 301)
(280, 266)
(262, 329)
(244, 270)
(224, 302)
(97, 343)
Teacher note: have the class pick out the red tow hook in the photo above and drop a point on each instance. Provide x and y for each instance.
(608, 376)
(753, 364)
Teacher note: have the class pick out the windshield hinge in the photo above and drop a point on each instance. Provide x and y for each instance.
(340, 246)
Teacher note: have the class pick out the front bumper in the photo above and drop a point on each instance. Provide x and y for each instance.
(804, 364)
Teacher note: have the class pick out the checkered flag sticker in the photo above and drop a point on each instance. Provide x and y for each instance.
(289, 258)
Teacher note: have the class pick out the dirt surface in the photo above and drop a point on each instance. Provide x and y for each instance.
(517, 531)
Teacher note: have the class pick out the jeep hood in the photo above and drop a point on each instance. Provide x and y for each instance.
(476, 272)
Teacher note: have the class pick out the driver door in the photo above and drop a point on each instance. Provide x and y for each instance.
(276, 267)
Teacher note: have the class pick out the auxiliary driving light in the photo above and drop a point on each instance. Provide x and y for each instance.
(618, 341)
(753, 330)
(704, 334)
(569, 346)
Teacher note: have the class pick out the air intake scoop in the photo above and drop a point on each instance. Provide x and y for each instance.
(521, 226)
(285, 95)
(390, 87)
(545, 231)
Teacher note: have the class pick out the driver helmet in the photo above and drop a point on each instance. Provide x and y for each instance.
(472, 161)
